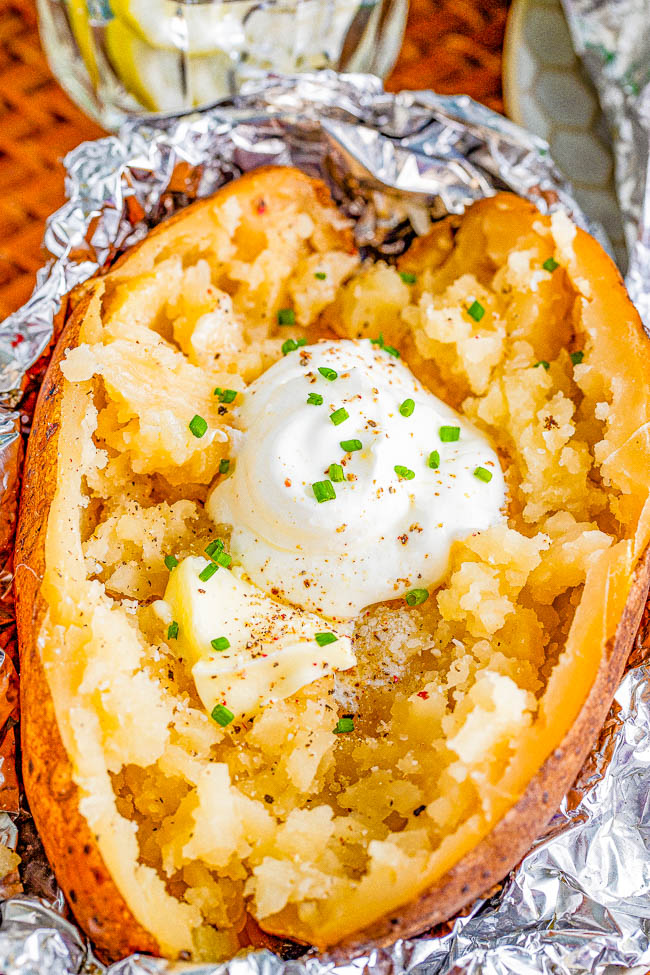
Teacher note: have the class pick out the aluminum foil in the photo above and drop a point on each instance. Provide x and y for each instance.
(580, 901)
(613, 39)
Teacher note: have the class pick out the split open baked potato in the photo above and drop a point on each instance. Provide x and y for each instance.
(172, 834)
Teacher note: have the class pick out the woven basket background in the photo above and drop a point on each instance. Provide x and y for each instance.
(450, 46)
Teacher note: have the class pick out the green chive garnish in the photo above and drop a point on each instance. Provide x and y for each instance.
(315, 399)
(386, 348)
(224, 465)
(407, 278)
(172, 631)
(328, 373)
(344, 726)
(349, 446)
(449, 434)
(286, 316)
(550, 264)
(222, 715)
(225, 395)
(292, 344)
(434, 460)
(208, 572)
(320, 275)
(338, 416)
(221, 643)
(213, 547)
(323, 639)
(335, 472)
(222, 559)
(407, 407)
(483, 474)
(415, 597)
(323, 491)
(476, 311)
(171, 562)
(404, 472)
(543, 363)
(198, 426)
(577, 357)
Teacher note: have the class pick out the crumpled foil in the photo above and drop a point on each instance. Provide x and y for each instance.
(613, 39)
(580, 901)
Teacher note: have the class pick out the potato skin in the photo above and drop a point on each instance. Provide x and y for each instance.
(69, 844)
(53, 796)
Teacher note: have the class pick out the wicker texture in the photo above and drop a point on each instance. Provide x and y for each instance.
(450, 46)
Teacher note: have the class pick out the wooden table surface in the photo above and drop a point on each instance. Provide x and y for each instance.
(450, 46)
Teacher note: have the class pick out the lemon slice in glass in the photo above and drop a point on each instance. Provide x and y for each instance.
(162, 80)
(202, 28)
(80, 26)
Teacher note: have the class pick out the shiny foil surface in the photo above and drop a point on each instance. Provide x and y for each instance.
(613, 39)
(580, 901)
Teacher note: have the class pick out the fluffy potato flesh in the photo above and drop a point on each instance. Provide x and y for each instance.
(457, 702)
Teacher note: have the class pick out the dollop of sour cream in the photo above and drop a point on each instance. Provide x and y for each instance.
(351, 480)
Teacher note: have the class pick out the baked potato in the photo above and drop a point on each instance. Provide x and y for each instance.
(174, 832)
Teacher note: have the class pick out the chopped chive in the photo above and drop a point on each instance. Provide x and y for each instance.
(349, 446)
(335, 472)
(208, 572)
(222, 715)
(386, 348)
(407, 278)
(198, 426)
(292, 344)
(172, 631)
(483, 474)
(550, 264)
(225, 395)
(320, 275)
(543, 363)
(214, 546)
(344, 726)
(404, 472)
(328, 373)
(220, 643)
(407, 407)
(171, 562)
(577, 357)
(224, 465)
(434, 460)
(415, 597)
(476, 311)
(286, 316)
(449, 434)
(339, 416)
(222, 559)
(323, 639)
(315, 399)
(323, 491)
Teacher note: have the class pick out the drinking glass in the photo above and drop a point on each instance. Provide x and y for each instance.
(119, 58)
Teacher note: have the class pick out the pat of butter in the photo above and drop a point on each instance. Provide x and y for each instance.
(273, 650)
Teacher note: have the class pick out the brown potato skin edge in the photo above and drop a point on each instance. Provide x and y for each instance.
(53, 797)
(70, 846)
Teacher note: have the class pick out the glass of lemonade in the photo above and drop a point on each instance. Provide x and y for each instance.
(119, 58)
